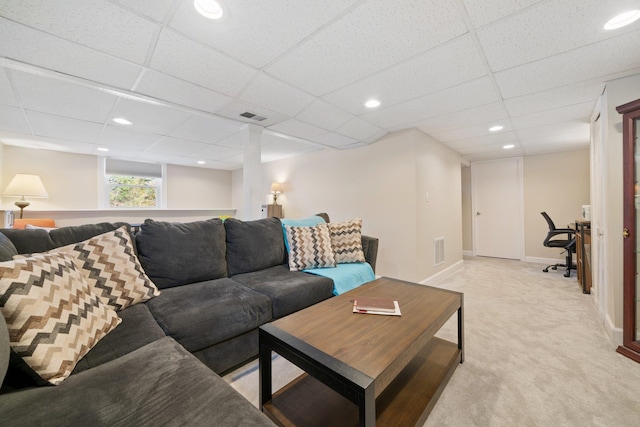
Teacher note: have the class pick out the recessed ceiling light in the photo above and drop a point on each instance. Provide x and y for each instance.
(122, 121)
(372, 103)
(508, 147)
(622, 20)
(102, 149)
(495, 128)
(209, 8)
(201, 162)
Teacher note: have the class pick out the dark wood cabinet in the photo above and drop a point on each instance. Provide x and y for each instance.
(631, 193)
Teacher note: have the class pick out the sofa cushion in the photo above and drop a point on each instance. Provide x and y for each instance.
(202, 314)
(160, 384)
(138, 328)
(7, 249)
(346, 240)
(39, 240)
(254, 245)
(310, 247)
(51, 333)
(109, 264)
(289, 291)
(173, 254)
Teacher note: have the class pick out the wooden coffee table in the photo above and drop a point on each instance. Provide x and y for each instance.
(363, 369)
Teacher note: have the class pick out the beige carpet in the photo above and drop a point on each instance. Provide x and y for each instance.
(535, 355)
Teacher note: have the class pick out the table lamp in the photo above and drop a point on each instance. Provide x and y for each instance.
(23, 185)
(275, 190)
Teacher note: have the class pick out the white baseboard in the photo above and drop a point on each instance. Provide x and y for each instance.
(467, 253)
(441, 275)
(615, 333)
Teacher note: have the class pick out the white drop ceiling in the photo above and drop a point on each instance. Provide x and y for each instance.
(451, 68)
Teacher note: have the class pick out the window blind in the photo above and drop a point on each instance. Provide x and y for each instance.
(128, 168)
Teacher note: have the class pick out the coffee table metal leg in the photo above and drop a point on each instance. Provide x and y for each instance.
(264, 374)
(367, 408)
(461, 328)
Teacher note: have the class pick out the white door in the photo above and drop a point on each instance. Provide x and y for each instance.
(497, 203)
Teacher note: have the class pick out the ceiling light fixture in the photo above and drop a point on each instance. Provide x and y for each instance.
(102, 149)
(122, 121)
(622, 20)
(201, 162)
(508, 147)
(495, 128)
(372, 103)
(209, 8)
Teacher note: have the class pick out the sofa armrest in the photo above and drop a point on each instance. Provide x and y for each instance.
(370, 249)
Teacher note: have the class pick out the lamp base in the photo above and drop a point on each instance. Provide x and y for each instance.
(22, 204)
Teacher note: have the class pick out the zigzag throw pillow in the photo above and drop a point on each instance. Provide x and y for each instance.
(111, 267)
(52, 315)
(309, 247)
(346, 240)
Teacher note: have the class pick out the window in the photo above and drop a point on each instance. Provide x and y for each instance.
(132, 191)
(132, 184)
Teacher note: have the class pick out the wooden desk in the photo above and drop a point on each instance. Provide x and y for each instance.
(583, 254)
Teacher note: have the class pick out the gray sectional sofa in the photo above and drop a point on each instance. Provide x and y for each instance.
(219, 282)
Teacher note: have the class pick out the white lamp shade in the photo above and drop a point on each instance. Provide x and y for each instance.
(275, 188)
(23, 185)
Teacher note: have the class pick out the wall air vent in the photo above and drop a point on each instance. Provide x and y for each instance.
(252, 116)
(438, 251)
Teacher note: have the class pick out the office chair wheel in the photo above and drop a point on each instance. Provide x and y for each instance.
(555, 267)
(567, 274)
(546, 270)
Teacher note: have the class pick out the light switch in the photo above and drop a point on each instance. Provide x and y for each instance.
(426, 196)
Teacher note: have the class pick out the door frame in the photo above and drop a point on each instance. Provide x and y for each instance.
(519, 206)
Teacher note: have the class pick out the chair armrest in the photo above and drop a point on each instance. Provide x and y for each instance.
(370, 249)
(562, 231)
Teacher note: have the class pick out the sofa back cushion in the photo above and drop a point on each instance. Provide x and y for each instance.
(40, 240)
(174, 254)
(254, 245)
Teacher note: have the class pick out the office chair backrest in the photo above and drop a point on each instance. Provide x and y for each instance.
(552, 226)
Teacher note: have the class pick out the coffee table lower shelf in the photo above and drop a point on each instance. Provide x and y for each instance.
(407, 401)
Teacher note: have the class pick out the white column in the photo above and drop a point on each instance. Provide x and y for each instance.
(252, 174)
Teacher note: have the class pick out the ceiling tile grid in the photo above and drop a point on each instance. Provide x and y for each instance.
(371, 37)
(280, 24)
(61, 98)
(444, 66)
(548, 29)
(449, 68)
(181, 92)
(29, 46)
(87, 22)
(180, 57)
(275, 95)
(324, 115)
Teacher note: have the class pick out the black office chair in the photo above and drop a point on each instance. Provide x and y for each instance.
(568, 244)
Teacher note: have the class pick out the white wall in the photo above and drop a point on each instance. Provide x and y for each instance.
(197, 188)
(384, 183)
(617, 92)
(72, 182)
(558, 184)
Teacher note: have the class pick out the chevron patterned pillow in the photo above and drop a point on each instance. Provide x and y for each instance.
(52, 315)
(111, 267)
(346, 240)
(309, 247)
